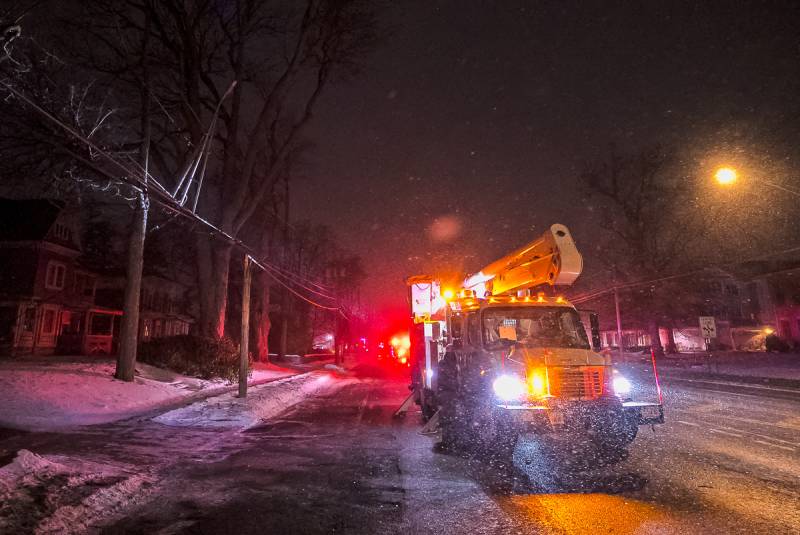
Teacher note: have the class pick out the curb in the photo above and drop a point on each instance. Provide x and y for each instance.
(200, 396)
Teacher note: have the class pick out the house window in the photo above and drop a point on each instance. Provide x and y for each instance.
(62, 232)
(146, 329)
(49, 321)
(157, 328)
(55, 276)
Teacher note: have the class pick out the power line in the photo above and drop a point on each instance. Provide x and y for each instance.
(271, 268)
(589, 297)
(162, 196)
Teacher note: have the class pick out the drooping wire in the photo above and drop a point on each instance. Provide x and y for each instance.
(164, 199)
(590, 296)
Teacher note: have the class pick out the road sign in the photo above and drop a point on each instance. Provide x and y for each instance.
(708, 329)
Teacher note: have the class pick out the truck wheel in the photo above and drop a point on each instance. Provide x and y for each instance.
(451, 410)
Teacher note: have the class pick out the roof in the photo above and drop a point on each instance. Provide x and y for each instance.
(27, 220)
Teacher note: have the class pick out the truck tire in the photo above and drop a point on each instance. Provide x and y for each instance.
(451, 410)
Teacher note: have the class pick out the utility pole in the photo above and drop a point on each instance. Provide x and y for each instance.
(129, 331)
(243, 343)
(619, 322)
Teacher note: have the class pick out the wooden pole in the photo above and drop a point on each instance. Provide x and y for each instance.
(619, 323)
(129, 329)
(244, 352)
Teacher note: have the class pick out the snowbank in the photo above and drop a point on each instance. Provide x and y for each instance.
(262, 402)
(58, 494)
(55, 393)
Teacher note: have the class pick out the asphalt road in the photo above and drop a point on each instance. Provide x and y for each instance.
(725, 462)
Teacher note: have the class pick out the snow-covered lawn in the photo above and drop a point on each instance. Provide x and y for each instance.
(48, 393)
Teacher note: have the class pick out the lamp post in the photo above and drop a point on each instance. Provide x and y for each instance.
(727, 176)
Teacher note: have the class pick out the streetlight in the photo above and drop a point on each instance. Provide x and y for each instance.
(727, 176)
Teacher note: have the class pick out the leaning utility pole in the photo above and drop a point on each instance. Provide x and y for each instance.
(245, 338)
(129, 332)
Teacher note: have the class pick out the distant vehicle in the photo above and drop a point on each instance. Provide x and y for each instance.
(494, 359)
(394, 351)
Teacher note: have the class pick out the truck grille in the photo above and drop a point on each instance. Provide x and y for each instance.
(585, 382)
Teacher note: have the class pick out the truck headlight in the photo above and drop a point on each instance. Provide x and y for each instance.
(509, 387)
(621, 385)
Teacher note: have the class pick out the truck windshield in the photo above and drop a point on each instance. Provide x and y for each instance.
(534, 327)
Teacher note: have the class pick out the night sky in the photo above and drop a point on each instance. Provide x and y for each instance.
(464, 135)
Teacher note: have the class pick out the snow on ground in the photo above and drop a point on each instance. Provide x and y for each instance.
(59, 494)
(753, 365)
(47, 393)
(735, 363)
(262, 402)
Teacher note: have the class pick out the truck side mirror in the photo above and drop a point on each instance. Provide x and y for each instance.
(594, 323)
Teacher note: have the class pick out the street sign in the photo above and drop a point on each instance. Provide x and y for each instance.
(708, 329)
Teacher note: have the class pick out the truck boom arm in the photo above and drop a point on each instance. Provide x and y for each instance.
(550, 259)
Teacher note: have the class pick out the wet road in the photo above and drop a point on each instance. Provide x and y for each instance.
(725, 462)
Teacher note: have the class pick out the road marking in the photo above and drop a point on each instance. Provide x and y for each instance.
(767, 437)
(746, 385)
(787, 448)
(725, 432)
(688, 423)
(758, 422)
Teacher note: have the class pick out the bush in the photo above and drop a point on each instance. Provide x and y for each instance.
(195, 356)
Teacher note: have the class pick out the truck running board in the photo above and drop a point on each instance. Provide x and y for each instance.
(404, 407)
(432, 427)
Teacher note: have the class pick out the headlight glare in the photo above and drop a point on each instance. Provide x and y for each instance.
(621, 385)
(509, 387)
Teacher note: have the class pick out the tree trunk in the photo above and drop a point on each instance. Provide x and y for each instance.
(672, 347)
(655, 338)
(284, 335)
(261, 319)
(129, 332)
(213, 267)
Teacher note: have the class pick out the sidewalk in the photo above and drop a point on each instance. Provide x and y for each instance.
(56, 393)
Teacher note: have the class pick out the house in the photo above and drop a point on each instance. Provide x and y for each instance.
(747, 301)
(164, 308)
(46, 295)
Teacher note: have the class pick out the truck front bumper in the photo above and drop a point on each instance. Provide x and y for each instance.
(577, 414)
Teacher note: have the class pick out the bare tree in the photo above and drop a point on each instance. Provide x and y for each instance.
(282, 56)
(646, 206)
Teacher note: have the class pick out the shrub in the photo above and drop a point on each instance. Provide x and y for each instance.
(196, 356)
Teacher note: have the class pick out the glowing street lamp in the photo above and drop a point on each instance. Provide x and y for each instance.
(726, 176)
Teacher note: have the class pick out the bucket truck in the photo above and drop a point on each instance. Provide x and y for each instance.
(496, 356)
